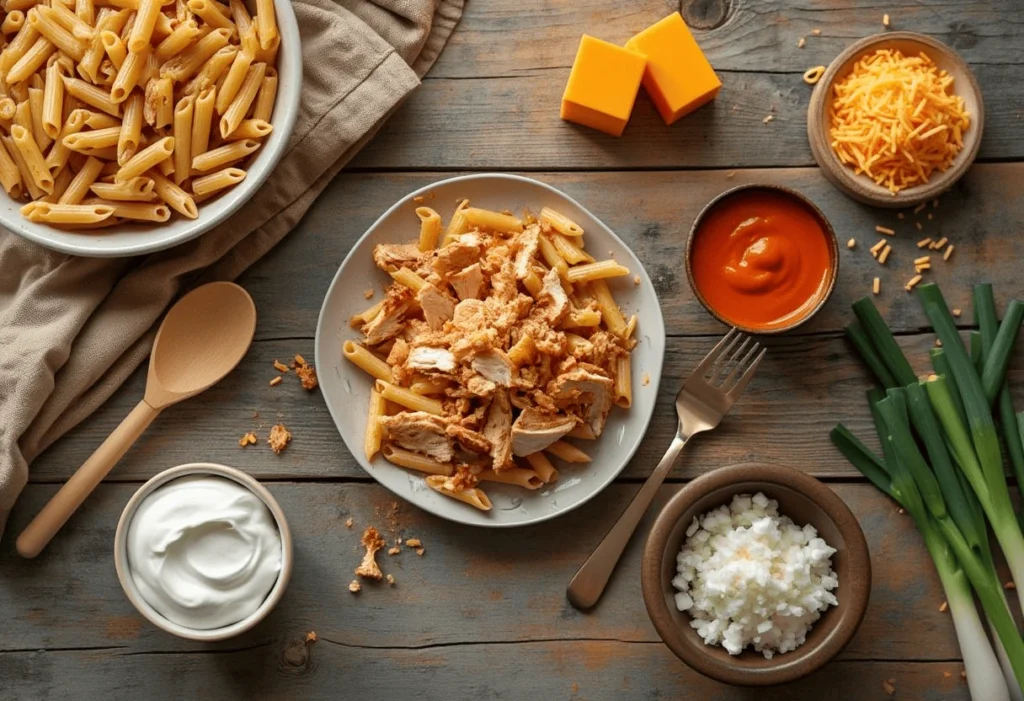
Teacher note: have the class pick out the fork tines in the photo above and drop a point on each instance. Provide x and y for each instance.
(731, 364)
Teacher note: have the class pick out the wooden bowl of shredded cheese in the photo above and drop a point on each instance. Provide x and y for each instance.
(896, 119)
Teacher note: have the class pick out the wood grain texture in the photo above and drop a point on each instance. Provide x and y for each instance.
(471, 587)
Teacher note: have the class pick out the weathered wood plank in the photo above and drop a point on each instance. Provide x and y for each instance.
(468, 588)
(805, 386)
(496, 38)
(652, 212)
(727, 133)
(580, 671)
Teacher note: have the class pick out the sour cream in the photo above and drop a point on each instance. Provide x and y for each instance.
(204, 551)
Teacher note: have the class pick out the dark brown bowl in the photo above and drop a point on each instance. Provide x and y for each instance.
(805, 500)
(826, 226)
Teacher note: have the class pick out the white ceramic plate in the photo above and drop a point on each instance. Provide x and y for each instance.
(136, 239)
(346, 389)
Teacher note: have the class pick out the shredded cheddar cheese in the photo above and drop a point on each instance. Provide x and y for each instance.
(896, 120)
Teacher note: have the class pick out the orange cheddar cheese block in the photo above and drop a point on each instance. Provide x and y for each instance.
(678, 77)
(602, 86)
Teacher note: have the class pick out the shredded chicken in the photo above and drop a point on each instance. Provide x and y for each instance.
(495, 342)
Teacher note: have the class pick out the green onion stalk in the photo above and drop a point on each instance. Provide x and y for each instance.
(976, 445)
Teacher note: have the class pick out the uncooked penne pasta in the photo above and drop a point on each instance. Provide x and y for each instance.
(33, 158)
(520, 477)
(159, 150)
(560, 223)
(135, 190)
(183, 138)
(145, 22)
(214, 182)
(243, 100)
(251, 129)
(53, 100)
(202, 122)
(13, 22)
(179, 200)
(83, 141)
(430, 228)
(224, 155)
(473, 496)
(83, 180)
(543, 467)
(113, 47)
(408, 399)
(36, 100)
(233, 80)
(30, 61)
(374, 432)
(130, 133)
(567, 452)
(66, 213)
(128, 74)
(92, 96)
(415, 461)
(366, 361)
(623, 388)
(178, 40)
(264, 106)
(137, 211)
(496, 221)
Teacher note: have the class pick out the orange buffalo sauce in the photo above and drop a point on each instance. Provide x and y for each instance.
(761, 259)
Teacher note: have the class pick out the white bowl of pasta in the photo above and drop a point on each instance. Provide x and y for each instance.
(127, 132)
(482, 364)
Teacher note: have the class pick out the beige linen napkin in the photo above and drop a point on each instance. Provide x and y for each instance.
(73, 329)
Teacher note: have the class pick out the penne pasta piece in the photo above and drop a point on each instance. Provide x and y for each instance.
(256, 129)
(85, 10)
(374, 432)
(597, 271)
(523, 352)
(66, 213)
(13, 22)
(211, 71)
(179, 200)
(567, 452)
(92, 96)
(206, 11)
(177, 41)
(113, 47)
(240, 15)
(71, 22)
(264, 106)
(106, 74)
(59, 153)
(138, 164)
(457, 224)
(215, 182)
(188, 62)
(22, 42)
(408, 399)
(31, 60)
(366, 361)
(610, 313)
(137, 211)
(7, 108)
(569, 253)
(98, 138)
(430, 228)
(34, 191)
(269, 54)
(128, 74)
(560, 223)
(224, 155)
(53, 100)
(202, 122)
(414, 461)
(623, 387)
(97, 120)
(145, 22)
(23, 114)
(519, 476)
(550, 255)
(630, 327)
(183, 138)
(543, 467)
(36, 100)
(266, 22)
(60, 185)
(406, 277)
(32, 157)
(239, 107)
(582, 318)
(474, 496)
(158, 105)
(135, 190)
(533, 283)
(44, 21)
(496, 221)
(9, 5)
(233, 80)
(10, 176)
(130, 134)
(78, 188)
(365, 316)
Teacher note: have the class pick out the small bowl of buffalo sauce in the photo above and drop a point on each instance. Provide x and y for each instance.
(762, 258)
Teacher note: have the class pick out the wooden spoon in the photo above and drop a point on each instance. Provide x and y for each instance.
(202, 338)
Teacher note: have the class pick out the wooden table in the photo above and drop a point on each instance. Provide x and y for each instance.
(483, 614)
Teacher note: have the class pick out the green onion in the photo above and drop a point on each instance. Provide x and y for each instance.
(855, 332)
(941, 364)
(869, 464)
(884, 342)
(997, 354)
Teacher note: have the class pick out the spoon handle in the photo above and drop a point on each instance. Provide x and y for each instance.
(67, 500)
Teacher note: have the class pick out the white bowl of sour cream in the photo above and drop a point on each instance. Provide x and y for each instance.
(203, 551)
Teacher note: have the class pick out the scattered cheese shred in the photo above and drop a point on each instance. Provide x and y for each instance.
(802, 43)
(924, 242)
(912, 283)
(885, 20)
(884, 255)
(939, 244)
(876, 286)
(957, 313)
(852, 243)
(895, 119)
(948, 253)
(920, 207)
(917, 225)
(878, 247)
(767, 119)
(885, 230)
(922, 259)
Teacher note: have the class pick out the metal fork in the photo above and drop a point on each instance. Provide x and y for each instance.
(706, 397)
